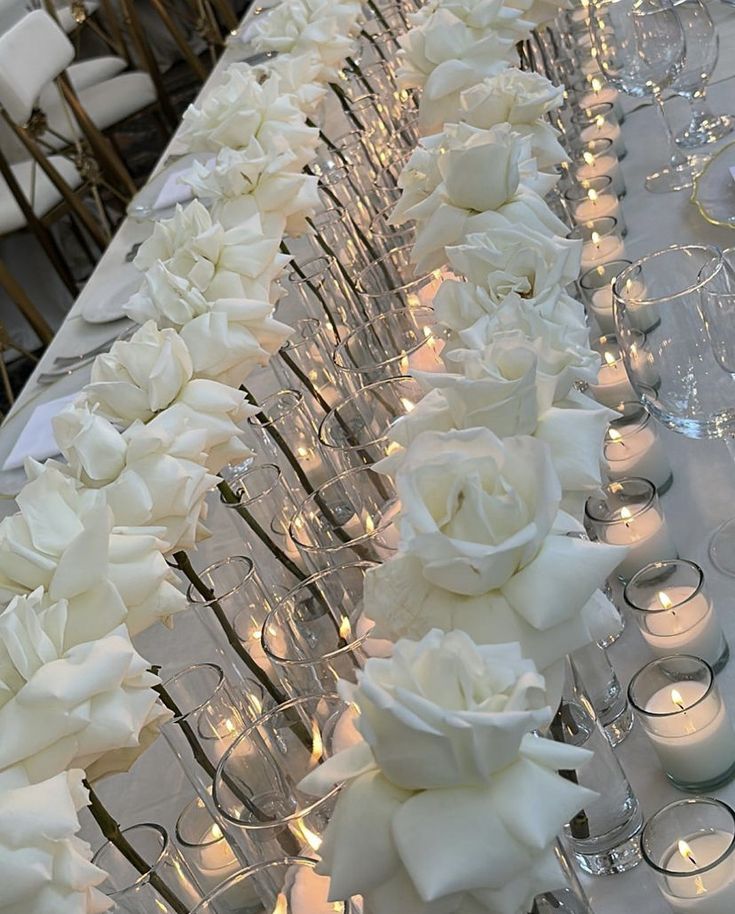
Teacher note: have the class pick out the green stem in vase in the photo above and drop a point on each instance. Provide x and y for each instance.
(111, 830)
(310, 285)
(183, 564)
(378, 14)
(345, 105)
(327, 142)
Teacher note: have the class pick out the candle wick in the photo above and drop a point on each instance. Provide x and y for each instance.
(690, 856)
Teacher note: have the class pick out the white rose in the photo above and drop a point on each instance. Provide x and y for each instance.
(298, 75)
(521, 99)
(234, 337)
(93, 447)
(190, 259)
(140, 376)
(447, 725)
(244, 182)
(241, 109)
(516, 259)
(72, 707)
(475, 509)
(440, 97)
(44, 867)
(59, 540)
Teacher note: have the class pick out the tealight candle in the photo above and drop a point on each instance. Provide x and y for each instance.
(596, 206)
(596, 287)
(627, 513)
(674, 612)
(690, 845)
(601, 94)
(597, 160)
(601, 249)
(602, 128)
(632, 448)
(681, 710)
(613, 385)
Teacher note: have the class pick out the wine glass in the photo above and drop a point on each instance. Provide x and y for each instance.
(703, 45)
(675, 321)
(641, 49)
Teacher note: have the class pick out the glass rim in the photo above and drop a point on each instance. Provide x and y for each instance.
(578, 193)
(293, 276)
(357, 640)
(249, 500)
(696, 590)
(202, 664)
(298, 339)
(196, 802)
(262, 827)
(351, 399)
(628, 274)
(247, 872)
(364, 327)
(197, 599)
(688, 801)
(634, 425)
(600, 269)
(658, 661)
(314, 498)
(385, 258)
(649, 494)
(284, 393)
(142, 878)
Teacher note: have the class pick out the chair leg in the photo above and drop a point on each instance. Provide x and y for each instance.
(26, 307)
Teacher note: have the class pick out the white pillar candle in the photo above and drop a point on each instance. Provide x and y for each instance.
(647, 537)
(600, 251)
(636, 452)
(700, 741)
(612, 385)
(603, 129)
(710, 892)
(599, 166)
(596, 206)
(682, 622)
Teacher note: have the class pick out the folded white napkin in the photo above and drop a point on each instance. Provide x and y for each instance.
(37, 438)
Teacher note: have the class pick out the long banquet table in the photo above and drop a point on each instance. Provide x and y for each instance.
(703, 494)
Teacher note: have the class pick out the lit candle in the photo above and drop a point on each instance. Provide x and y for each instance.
(597, 206)
(601, 94)
(601, 250)
(595, 166)
(709, 892)
(697, 742)
(424, 296)
(647, 536)
(425, 357)
(309, 893)
(601, 307)
(600, 128)
(612, 386)
(632, 448)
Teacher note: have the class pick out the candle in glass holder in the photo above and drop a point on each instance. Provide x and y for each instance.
(426, 357)
(596, 287)
(601, 94)
(680, 707)
(601, 128)
(596, 206)
(613, 385)
(596, 160)
(601, 249)
(627, 513)
(632, 448)
(674, 612)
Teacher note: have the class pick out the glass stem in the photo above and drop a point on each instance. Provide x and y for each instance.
(700, 110)
(676, 156)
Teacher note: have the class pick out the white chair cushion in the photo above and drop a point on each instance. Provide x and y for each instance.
(32, 53)
(46, 195)
(83, 74)
(106, 103)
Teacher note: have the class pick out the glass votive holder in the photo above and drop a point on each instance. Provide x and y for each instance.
(592, 199)
(596, 287)
(608, 697)
(386, 236)
(256, 788)
(350, 517)
(596, 158)
(304, 362)
(632, 448)
(598, 122)
(612, 385)
(590, 90)
(390, 283)
(675, 613)
(288, 885)
(317, 634)
(312, 283)
(627, 513)
(205, 849)
(165, 887)
(356, 430)
(394, 343)
(690, 845)
(586, 114)
(335, 231)
(682, 712)
(601, 241)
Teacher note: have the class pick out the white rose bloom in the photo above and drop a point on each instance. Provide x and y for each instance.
(521, 99)
(467, 180)
(242, 183)
(140, 376)
(439, 103)
(499, 388)
(59, 540)
(234, 337)
(298, 75)
(312, 26)
(530, 263)
(448, 725)
(190, 259)
(71, 707)
(241, 109)
(44, 867)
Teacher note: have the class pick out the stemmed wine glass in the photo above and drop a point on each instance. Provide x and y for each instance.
(702, 44)
(641, 49)
(675, 320)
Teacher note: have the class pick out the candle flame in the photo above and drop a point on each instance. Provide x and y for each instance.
(596, 84)
(229, 726)
(600, 121)
(392, 448)
(430, 339)
(369, 525)
(403, 364)
(625, 514)
(595, 238)
(407, 404)
(345, 629)
(686, 852)
(665, 601)
(678, 701)
(588, 157)
(308, 836)
(215, 833)
(317, 746)
(303, 452)
(281, 905)
(613, 434)
(610, 358)
(592, 194)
